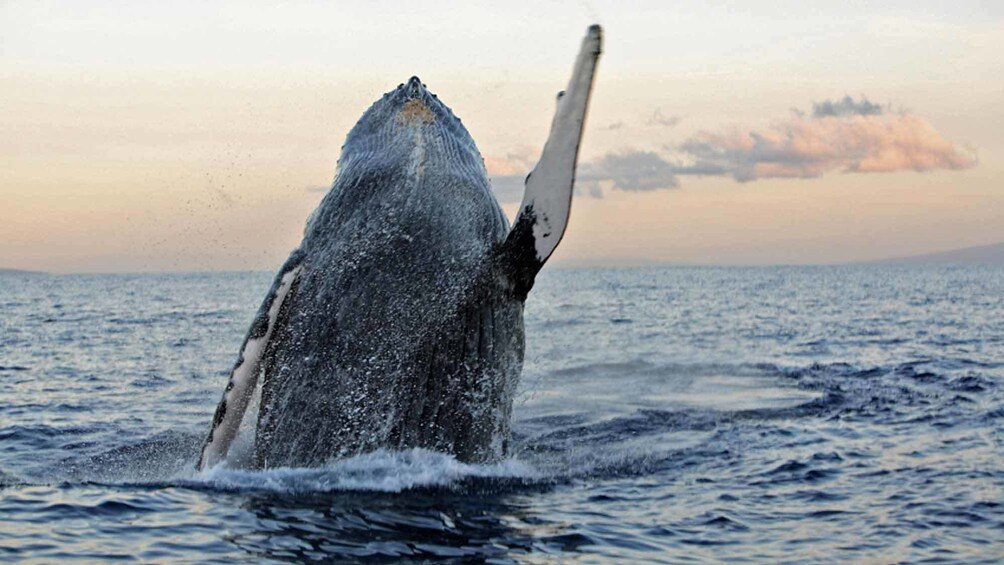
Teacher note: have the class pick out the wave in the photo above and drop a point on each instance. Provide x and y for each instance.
(705, 410)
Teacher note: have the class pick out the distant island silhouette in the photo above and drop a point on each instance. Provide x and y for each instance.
(982, 254)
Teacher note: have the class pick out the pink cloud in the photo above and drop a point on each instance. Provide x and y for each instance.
(802, 147)
(845, 135)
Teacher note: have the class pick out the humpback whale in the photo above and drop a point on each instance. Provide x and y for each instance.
(398, 321)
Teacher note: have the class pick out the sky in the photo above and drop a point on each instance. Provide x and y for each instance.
(185, 136)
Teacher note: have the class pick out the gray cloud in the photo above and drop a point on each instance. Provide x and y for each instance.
(630, 171)
(508, 188)
(846, 106)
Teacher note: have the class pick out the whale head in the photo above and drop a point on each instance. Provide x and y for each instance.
(410, 126)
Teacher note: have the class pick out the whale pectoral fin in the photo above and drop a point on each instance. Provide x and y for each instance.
(244, 376)
(547, 197)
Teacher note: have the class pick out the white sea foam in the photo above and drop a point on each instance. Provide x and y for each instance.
(380, 471)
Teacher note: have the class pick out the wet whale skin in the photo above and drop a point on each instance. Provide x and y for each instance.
(400, 330)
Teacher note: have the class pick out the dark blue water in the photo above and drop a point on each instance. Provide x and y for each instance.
(679, 414)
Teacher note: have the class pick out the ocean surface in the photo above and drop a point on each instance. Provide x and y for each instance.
(786, 414)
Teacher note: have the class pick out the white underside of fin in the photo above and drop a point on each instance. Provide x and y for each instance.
(548, 192)
(243, 381)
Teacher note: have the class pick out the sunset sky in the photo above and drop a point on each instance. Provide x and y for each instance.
(142, 136)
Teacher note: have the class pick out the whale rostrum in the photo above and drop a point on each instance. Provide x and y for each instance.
(398, 321)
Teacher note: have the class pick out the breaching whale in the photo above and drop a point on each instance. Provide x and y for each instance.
(398, 321)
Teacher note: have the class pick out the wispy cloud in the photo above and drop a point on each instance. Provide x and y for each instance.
(658, 119)
(845, 135)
